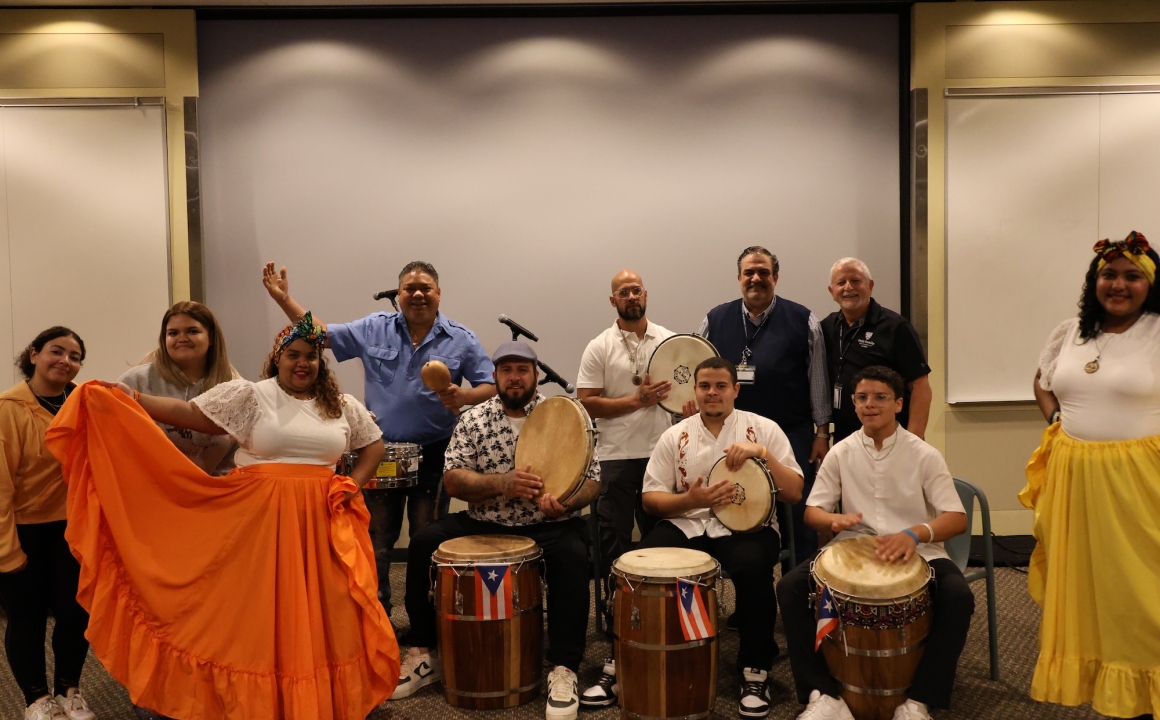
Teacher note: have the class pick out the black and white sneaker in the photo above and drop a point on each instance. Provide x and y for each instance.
(562, 700)
(417, 670)
(755, 698)
(605, 692)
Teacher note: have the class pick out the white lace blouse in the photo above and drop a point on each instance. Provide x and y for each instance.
(273, 427)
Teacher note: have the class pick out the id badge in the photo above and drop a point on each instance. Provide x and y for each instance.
(746, 374)
(837, 396)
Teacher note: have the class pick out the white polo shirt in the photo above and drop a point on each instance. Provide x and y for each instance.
(906, 483)
(607, 364)
(688, 450)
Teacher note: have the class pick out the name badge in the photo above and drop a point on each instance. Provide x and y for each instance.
(746, 374)
(837, 396)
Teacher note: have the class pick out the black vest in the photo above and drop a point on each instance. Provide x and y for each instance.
(780, 351)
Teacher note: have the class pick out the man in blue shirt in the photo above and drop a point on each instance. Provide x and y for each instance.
(393, 348)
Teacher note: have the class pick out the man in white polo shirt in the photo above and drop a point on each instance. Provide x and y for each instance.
(892, 485)
(615, 390)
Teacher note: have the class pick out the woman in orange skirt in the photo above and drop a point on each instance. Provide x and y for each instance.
(250, 596)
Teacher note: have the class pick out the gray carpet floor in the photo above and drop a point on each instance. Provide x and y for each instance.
(976, 696)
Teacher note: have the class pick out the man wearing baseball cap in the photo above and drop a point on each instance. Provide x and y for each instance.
(505, 500)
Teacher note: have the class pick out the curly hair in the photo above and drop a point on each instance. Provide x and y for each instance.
(1092, 314)
(24, 359)
(327, 397)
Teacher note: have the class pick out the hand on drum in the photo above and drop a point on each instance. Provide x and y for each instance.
(651, 394)
(520, 484)
(898, 546)
(703, 495)
(845, 522)
(276, 283)
(551, 507)
(738, 453)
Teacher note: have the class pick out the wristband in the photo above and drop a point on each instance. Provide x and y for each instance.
(1054, 418)
(137, 396)
(764, 450)
(930, 530)
(911, 534)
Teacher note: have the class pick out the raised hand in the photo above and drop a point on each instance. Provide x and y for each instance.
(276, 283)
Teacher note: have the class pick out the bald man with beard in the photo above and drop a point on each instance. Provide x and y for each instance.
(616, 391)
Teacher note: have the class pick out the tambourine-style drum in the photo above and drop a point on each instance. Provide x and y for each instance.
(884, 616)
(674, 360)
(491, 635)
(753, 495)
(399, 467)
(660, 673)
(557, 441)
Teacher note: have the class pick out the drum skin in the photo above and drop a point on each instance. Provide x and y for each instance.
(885, 628)
(659, 673)
(753, 495)
(489, 664)
(675, 360)
(557, 441)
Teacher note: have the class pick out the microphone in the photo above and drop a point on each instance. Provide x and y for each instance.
(386, 294)
(518, 330)
(552, 376)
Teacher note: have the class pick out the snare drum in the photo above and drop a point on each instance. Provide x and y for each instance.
(884, 616)
(674, 360)
(558, 440)
(660, 673)
(399, 467)
(753, 495)
(491, 659)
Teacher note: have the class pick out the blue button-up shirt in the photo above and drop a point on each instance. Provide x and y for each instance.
(407, 411)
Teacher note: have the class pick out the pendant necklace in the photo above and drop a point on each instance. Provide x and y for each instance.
(632, 355)
(1094, 365)
(55, 407)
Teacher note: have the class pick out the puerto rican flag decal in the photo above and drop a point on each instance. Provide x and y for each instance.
(827, 617)
(493, 592)
(695, 623)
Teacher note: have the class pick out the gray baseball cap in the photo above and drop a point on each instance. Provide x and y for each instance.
(514, 349)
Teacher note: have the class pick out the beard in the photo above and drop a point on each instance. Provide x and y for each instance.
(631, 314)
(517, 402)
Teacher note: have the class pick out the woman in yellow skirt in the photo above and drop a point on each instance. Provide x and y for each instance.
(1094, 484)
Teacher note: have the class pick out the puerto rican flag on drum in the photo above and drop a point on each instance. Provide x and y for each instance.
(493, 592)
(827, 617)
(695, 623)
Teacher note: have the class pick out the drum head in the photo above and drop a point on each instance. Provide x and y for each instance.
(851, 568)
(665, 563)
(557, 442)
(674, 360)
(753, 495)
(486, 548)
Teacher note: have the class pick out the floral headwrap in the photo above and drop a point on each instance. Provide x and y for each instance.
(304, 329)
(1133, 248)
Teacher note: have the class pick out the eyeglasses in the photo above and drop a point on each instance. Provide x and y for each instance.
(877, 399)
(625, 293)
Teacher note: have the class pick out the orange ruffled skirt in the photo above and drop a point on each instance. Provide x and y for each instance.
(251, 596)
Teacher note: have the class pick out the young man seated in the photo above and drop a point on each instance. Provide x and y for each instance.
(893, 485)
(676, 488)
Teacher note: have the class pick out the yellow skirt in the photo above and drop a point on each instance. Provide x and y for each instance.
(1095, 572)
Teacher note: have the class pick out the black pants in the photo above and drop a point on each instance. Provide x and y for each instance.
(386, 509)
(49, 582)
(935, 678)
(749, 559)
(618, 506)
(565, 545)
(805, 539)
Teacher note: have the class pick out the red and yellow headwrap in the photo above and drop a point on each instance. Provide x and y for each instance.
(1133, 248)
(304, 329)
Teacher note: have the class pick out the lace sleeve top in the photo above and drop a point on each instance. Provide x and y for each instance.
(273, 427)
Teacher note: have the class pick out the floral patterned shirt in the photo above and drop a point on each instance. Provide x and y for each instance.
(485, 442)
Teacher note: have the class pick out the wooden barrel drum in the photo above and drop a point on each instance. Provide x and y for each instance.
(884, 612)
(660, 673)
(496, 662)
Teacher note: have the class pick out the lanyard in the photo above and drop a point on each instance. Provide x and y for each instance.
(746, 353)
(847, 338)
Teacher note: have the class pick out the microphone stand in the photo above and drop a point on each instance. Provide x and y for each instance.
(550, 375)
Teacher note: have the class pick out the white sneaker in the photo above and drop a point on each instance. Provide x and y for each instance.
(45, 709)
(74, 706)
(755, 698)
(418, 670)
(911, 710)
(605, 692)
(562, 699)
(824, 707)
